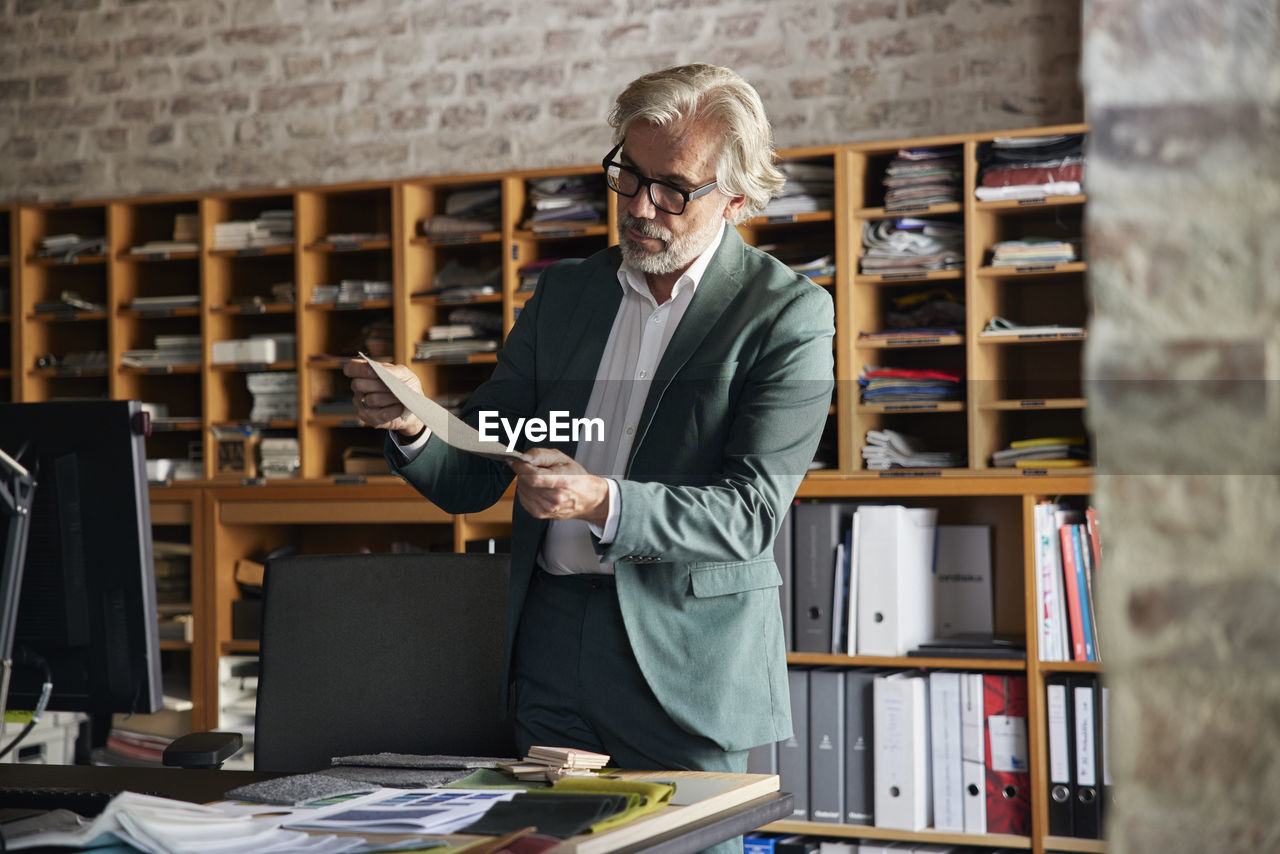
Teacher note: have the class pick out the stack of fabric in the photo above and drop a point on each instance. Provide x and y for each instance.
(889, 449)
(565, 201)
(1033, 251)
(810, 187)
(1031, 167)
(918, 177)
(896, 385)
(467, 212)
(911, 245)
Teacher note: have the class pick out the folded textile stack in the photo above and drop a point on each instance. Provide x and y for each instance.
(467, 212)
(918, 177)
(893, 385)
(565, 201)
(461, 279)
(810, 187)
(1034, 250)
(889, 449)
(553, 763)
(68, 246)
(1031, 167)
(808, 259)
(938, 308)
(911, 245)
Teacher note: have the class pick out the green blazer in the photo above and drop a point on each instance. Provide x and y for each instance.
(730, 424)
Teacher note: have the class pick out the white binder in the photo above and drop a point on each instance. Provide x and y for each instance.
(895, 578)
(903, 788)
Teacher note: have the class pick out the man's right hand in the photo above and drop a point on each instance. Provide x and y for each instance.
(376, 405)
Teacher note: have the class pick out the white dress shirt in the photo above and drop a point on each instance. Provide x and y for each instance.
(641, 331)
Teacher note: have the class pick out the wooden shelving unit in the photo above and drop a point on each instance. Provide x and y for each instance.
(1015, 386)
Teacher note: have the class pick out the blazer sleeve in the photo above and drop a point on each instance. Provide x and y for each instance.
(459, 482)
(774, 426)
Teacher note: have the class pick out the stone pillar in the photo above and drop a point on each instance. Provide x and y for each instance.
(1183, 377)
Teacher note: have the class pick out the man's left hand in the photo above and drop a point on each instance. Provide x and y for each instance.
(553, 486)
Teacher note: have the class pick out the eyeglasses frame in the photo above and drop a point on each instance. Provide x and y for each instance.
(646, 184)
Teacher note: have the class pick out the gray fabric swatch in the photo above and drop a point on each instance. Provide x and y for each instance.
(410, 760)
(298, 789)
(399, 778)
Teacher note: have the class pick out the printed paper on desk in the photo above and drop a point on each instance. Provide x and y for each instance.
(442, 423)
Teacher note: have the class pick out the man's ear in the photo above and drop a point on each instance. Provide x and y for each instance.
(734, 208)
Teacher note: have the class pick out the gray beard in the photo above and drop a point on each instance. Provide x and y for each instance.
(675, 254)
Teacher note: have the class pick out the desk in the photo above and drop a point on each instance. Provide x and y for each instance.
(665, 832)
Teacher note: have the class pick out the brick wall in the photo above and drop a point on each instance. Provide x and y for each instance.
(116, 97)
(1183, 362)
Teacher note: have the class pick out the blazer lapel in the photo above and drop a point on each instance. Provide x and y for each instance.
(719, 286)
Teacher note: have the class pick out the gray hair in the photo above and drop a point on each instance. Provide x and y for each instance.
(699, 93)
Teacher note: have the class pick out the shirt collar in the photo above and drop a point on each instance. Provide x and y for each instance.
(629, 276)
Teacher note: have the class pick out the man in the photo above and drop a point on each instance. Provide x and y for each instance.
(644, 619)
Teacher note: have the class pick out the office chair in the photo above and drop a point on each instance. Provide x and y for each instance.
(371, 653)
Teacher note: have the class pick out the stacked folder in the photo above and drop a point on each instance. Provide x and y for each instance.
(553, 763)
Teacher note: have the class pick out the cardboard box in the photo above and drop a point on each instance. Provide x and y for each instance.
(364, 461)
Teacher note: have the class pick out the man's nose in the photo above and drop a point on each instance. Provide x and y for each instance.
(641, 206)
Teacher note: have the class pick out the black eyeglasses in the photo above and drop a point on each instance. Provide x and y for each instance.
(668, 198)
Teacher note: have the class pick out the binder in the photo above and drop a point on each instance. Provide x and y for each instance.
(817, 529)
(1104, 749)
(903, 789)
(1087, 814)
(859, 741)
(973, 753)
(763, 759)
(793, 753)
(783, 545)
(944, 748)
(962, 581)
(1061, 737)
(1004, 704)
(826, 745)
(895, 578)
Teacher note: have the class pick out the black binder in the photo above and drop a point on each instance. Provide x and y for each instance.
(1060, 732)
(1086, 810)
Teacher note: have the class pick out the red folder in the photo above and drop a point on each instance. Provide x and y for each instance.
(1004, 698)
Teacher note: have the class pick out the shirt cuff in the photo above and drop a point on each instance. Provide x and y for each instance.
(610, 529)
(410, 449)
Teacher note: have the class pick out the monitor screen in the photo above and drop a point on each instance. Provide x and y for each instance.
(87, 605)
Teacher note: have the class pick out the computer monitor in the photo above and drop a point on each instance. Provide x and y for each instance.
(87, 605)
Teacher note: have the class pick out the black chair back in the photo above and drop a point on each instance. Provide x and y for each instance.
(367, 653)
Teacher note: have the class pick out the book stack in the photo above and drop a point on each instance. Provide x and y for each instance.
(1043, 452)
(275, 395)
(553, 763)
(270, 228)
(280, 457)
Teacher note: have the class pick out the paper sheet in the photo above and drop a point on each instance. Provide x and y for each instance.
(442, 423)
